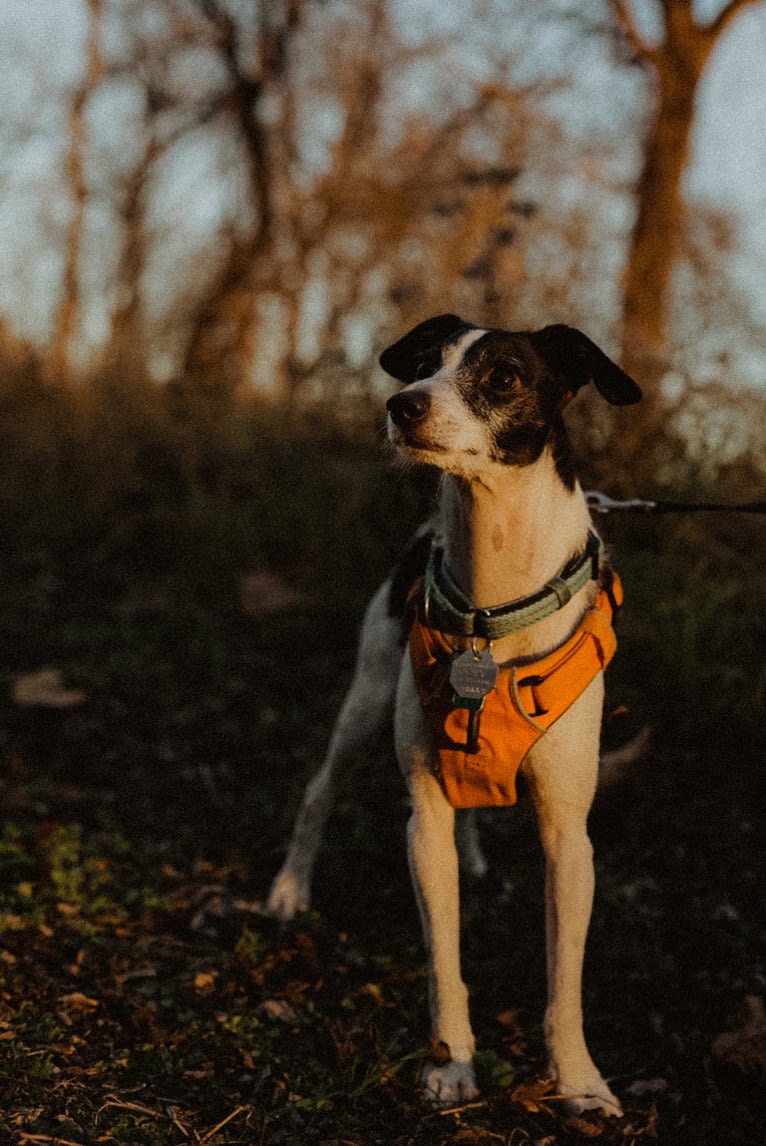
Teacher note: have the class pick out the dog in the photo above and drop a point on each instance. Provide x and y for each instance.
(510, 572)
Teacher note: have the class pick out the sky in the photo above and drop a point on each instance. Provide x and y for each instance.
(726, 172)
(729, 159)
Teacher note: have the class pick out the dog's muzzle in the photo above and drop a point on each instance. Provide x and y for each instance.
(408, 407)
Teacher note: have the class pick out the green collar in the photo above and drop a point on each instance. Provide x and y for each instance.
(449, 610)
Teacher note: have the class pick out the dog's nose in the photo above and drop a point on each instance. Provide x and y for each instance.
(407, 407)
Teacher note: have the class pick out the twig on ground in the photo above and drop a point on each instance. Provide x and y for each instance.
(239, 1110)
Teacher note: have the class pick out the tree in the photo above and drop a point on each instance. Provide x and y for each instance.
(257, 61)
(676, 63)
(68, 315)
(380, 220)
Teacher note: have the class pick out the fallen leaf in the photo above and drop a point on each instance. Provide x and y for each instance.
(76, 1001)
(204, 982)
(45, 689)
(477, 1137)
(532, 1095)
(12, 922)
(584, 1127)
(264, 592)
(277, 1009)
(374, 991)
(206, 1071)
(648, 1086)
(745, 1046)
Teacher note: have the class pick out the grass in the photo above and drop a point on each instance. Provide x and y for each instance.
(145, 998)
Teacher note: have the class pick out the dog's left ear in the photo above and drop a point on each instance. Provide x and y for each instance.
(572, 354)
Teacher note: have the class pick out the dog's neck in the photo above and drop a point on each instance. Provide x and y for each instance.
(507, 534)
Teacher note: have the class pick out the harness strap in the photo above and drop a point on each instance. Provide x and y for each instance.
(481, 770)
(449, 610)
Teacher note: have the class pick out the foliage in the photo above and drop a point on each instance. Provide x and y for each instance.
(145, 998)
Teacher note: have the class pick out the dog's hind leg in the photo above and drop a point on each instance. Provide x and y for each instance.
(470, 852)
(367, 706)
(562, 771)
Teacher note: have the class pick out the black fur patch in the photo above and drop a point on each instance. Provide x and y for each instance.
(420, 353)
(410, 566)
(506, 384)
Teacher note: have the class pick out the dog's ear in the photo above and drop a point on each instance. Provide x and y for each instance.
(419, 353)
(579, 361)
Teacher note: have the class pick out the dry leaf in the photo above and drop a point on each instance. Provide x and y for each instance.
(207, 1071)
(469, 1137)
(277, 1009)
(584, 1127)
(78, 1002)
(45, 689)
(745, 1046)
(204, 982)
(532, 1095)
(263, 593)
(648, 1086)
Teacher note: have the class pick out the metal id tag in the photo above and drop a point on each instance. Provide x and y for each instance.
(473, 674)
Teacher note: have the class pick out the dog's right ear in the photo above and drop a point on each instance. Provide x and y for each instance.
(419, 353)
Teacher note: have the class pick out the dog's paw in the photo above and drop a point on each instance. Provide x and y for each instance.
(450, 1084)
(289, 894)
(594, 1094)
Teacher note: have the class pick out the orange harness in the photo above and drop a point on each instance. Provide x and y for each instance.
(524, 703)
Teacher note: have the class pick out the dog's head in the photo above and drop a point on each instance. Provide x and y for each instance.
(475, 396)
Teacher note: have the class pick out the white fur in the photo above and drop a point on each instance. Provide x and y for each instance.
(506, 531)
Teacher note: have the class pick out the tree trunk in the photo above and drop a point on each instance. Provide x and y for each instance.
(125, 356)
(68, 316)
(657, 235)
(677, 64)
(218, 350)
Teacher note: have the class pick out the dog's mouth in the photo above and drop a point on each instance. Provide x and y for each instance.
(413, 440)
(433, 433)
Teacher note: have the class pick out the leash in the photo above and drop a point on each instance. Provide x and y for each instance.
(449, 610)
(601, 503)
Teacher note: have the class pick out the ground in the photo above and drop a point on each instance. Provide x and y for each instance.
(149, 782)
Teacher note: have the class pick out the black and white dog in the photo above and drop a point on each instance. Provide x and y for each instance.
(514, 533)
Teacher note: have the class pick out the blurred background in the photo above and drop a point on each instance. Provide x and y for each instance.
(214, 215)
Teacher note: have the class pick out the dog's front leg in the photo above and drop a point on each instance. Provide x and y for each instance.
(434, 869)
(562, 772)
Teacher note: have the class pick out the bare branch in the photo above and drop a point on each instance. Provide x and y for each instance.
(726, 16)
(629, 29)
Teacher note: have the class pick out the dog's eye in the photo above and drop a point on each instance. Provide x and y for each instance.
(502, 379)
